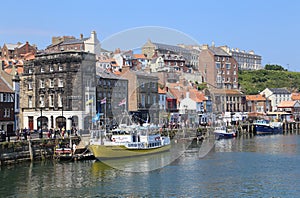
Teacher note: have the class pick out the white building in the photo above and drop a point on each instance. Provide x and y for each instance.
(276, 95)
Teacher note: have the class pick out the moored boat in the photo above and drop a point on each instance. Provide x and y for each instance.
(222, 132)
(265, 127)
(122, 142)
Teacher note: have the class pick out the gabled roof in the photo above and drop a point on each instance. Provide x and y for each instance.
(4, 87)
(218, 51)
(257, 97)
(161, 91)
(103, 73)
(73, 41)
(172, 48)
(286, 104)
(11, 46)
(178, 94)
(196, 95)
(170, 95)
(279, 91)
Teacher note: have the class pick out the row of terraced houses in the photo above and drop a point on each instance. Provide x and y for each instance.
(76, 83)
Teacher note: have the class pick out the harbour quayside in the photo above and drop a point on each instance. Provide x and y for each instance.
(265, 127)
(127, 141)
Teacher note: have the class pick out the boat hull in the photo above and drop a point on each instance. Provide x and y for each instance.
(224, 135)
(265, 130)
(120, 151)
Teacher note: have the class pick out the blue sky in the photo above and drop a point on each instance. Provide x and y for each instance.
(270, 28)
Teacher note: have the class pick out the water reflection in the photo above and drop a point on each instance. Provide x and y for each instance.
(264, 166)
(149, 162)
(272, 144)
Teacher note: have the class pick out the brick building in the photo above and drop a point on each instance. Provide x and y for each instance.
(17, 51)
(55, 90)
(7, 101)
(142, 95)
(218, 67)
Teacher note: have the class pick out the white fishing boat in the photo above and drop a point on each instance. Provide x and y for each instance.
(222, 132)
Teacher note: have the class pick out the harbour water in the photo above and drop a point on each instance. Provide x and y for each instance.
(259, 166)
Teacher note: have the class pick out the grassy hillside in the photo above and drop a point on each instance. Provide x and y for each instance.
(254, 81)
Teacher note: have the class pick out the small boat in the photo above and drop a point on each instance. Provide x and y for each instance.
(222, 132)
(265, 127)
(128, 142)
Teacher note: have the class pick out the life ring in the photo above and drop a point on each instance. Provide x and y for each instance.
(113, 139)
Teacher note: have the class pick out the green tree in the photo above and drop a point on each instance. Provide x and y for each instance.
(274, 67)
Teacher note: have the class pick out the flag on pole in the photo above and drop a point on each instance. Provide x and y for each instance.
(90, 101)
(96, 118)
(103, 101)
(123, 102)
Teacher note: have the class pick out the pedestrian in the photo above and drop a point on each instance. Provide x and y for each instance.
(28, 134)
(18, 134)
(25, 133)
(40, 133)
(63, 132)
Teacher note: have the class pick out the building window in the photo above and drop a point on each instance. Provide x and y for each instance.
(30, 85)
(59, 100)
(218, 65)
(6, 112)
(154, 99)
(227, 65)
(30, 71)
(51, 101)
(42, 70)
(30, 101)
(42, 101)
(60, 83)
(4, 97)
(60, 68)
(153, 85)
(51, 69)
(42, 83)
(143, 100)
(148, 99)
(51, 82)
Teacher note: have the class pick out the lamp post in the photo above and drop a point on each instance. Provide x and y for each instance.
(41, 124)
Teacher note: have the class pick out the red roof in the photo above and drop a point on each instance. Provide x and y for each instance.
(139, 56)
(286, 104)
(196, 95)
(257, 97)
(161, 91)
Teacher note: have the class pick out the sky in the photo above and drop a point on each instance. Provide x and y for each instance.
(271, 27)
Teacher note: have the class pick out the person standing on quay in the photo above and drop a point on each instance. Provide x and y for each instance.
(25, 133)
(63, 132)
